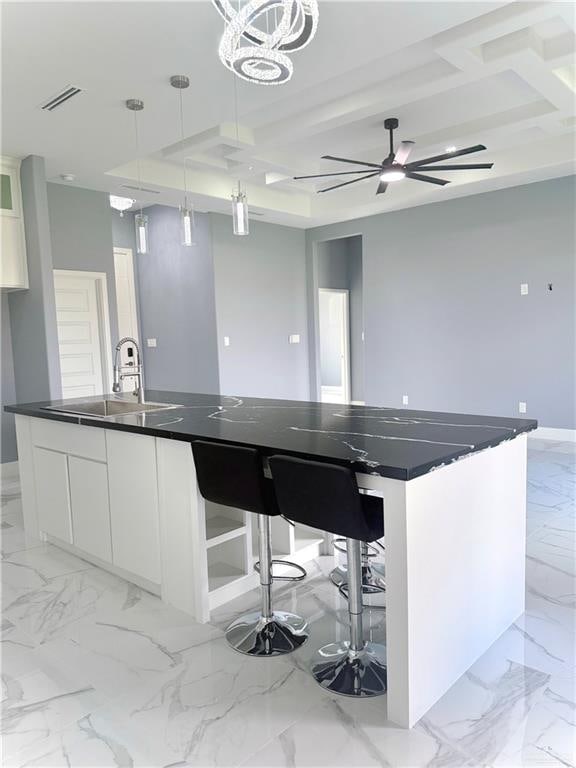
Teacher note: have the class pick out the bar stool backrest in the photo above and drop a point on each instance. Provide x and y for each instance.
(324, 496)
(233, 475)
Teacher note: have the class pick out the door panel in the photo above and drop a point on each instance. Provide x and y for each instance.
(90, 508)
(79, 340)
(52, 496)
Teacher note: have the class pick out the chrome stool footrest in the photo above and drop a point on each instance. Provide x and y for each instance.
(368, 550)
(302, 571)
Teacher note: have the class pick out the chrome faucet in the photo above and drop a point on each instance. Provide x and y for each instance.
(136, 369)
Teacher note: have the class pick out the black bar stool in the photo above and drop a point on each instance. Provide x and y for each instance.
(326, 496)
(233, 476)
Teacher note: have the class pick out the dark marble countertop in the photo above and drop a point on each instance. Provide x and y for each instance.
(398, 443)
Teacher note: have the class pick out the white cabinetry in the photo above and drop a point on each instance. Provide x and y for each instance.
(97, 490)
(134, 503)
(90, 509)
(52, 494)
(13, 265)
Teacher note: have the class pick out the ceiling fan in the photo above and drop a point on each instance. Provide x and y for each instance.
(395, 167)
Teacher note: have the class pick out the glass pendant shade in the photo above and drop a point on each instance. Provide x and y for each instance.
(187, 226)
(240, 213)
(141, 222)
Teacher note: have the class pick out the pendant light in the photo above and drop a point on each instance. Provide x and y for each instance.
(240, 220)
(187, 222)
(140, 220)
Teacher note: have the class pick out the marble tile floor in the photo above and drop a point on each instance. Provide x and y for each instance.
(97, 672)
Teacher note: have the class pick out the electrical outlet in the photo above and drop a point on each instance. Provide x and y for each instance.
(226, 341)
(404, 399)
(150, 342)
(294, 338)
(523, 289)
(521, 407)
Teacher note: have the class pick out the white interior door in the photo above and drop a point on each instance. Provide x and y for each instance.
(334, 346)
(127, 313)
(81, 333)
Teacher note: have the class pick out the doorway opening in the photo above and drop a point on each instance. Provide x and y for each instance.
(127, 309)
(334, 336)
(339, 321)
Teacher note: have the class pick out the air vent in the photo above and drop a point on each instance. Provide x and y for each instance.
(61, 98)
(140, 189)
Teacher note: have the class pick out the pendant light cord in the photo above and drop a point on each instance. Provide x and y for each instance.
(182, 138)
(236, 109)
(138, 158)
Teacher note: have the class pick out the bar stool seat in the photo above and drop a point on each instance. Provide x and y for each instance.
(233, 475)
(326, 496)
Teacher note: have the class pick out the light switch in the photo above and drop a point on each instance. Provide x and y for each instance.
(226, 341)
(295, 338)
(523, 289)
(521, 407)
(150, 342)
(404, 399)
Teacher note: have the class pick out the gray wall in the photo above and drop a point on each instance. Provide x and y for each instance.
(444, 319)
(7, 386)
(260, 302)
(33, 312)
(339, 265)
(81, 233)
(356, 286)
(177, 308)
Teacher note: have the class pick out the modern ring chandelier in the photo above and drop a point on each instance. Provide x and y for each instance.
(260, 34)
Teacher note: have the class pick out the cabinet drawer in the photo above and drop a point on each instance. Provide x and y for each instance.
(87, 442)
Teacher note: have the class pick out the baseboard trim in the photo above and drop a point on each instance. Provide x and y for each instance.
(9, 471)
(552, 433)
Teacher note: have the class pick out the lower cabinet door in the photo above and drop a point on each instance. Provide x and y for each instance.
(90, 507)
(134, 515)
(52, 497)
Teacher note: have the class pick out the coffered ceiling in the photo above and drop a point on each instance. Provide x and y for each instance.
(454, 73)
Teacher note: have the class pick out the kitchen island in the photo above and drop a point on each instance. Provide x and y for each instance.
(121, 491)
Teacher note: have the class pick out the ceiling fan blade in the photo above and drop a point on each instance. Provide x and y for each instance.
(344, 184)
(354, 162)
(339, 173)
(447, 156)
(403, 152)
(429, 179)
(382, 187)
(471, 167)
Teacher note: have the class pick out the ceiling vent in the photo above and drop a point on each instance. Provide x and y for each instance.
(140, 189)
(61, 98)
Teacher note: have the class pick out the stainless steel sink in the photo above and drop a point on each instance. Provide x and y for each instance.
(102, 409)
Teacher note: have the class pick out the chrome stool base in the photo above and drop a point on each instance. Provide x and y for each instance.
(341, 670)
(257, 635)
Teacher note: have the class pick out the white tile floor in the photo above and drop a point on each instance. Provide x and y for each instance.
(97, 672)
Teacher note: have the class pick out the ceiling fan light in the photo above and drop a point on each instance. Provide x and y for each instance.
(394, 174)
